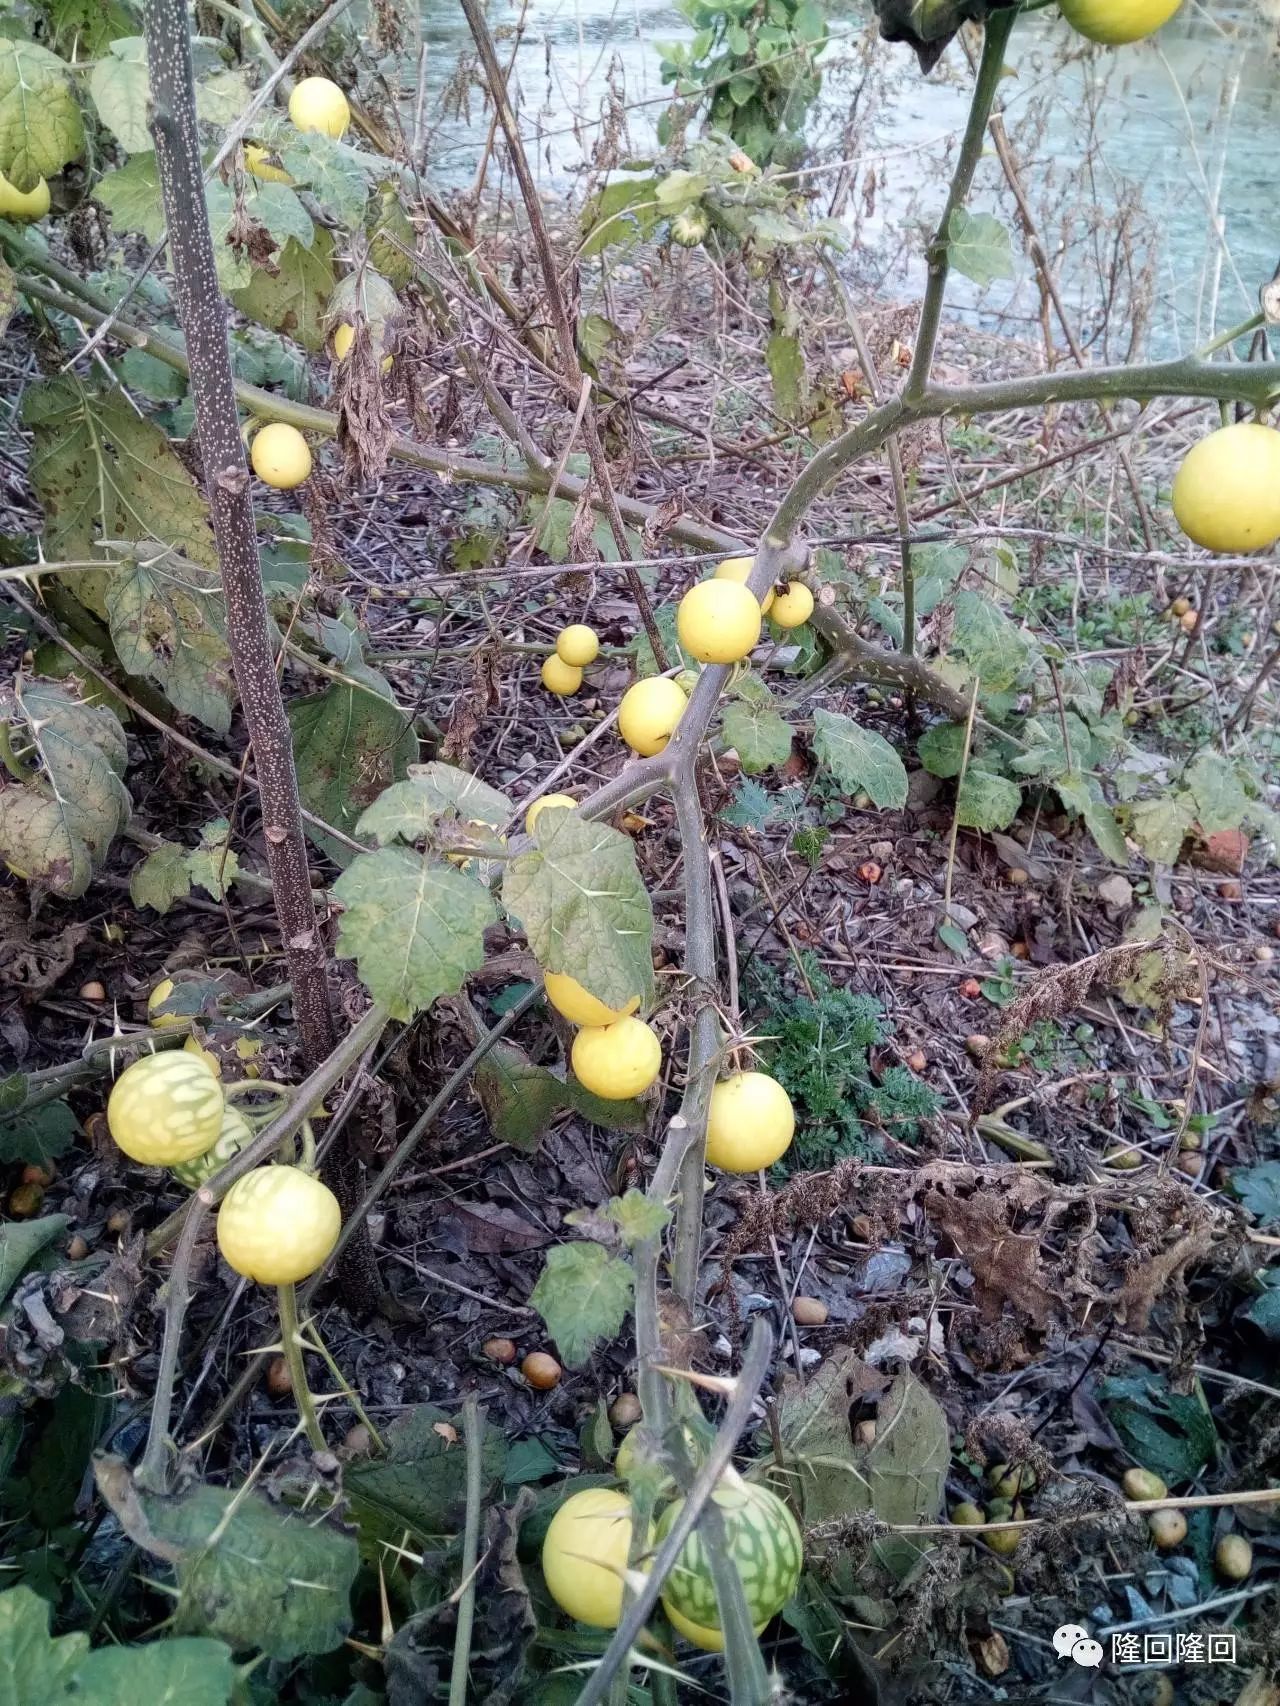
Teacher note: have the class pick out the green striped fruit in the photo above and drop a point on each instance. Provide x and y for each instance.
(166, 1108)
(235, 1134)
(764, 1543)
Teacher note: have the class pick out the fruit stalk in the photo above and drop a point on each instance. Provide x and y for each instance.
(291, 1344)
(203, 317)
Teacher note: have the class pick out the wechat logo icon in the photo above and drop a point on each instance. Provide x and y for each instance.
(1072, 1641)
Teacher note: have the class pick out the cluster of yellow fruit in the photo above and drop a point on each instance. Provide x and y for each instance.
(1226, 494)
(576, 647)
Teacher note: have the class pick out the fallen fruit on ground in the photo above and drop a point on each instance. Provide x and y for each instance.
(1114, 22)
(718, 621)
(278, 1224)
(536, 810)
(500, 1350)
(560, 677)
(585, 1554)
(1143, 1484)
(23, 205)
(578, 644)
(1234, 1557)
(739, 569)
(794, 607)
(317, 104)
(625, 1412)
(649, 712)
(750, 1124)
(763, 1542)
(541, 1370)
(165, 1109)
(280, 456)
(1004, 1540)
(968, 1515)
(155, 1004)
(1226, 494)
(1168, 1528)
(578, 1005)
(617, 1061)
(808, 1311)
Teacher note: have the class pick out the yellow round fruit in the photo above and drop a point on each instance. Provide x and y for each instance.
(280, 456)
(617, 1061)
(344, 335)
(257, 160)
(702, 1635)
(578, 1005)
(751, 1122)
(739, 569)
(560, 677)
(317, 104)
(24, 205)
(1113, 22)
(1226, 494)
(535, 811)
(649, 712)
(205, 1056)
(718, 621)
(585, 1554)
(277, 1224)
(155, 1002)
(165, 1108)
(577, 644)
(794, 607)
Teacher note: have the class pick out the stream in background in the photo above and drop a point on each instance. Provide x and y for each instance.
(1187, 132)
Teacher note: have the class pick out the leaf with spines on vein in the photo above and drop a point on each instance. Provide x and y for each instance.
(758, 734)
(328, 170)
(168, 622)
(410, 810)
(861, 760)
(583, 1294)
(41, 130)
(582, 905)
(161, 878)
(996, 648)
(213, 865)
(131, 194)
(1161, 825)
(1221, 803)
(986, 801)
(414, 925)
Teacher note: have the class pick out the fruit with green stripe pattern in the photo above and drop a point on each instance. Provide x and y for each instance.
(764, 1543)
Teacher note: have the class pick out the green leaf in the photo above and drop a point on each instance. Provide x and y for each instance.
(21, 1241)
(1264, 1312)
(102, 473)
(1259, 1190)
(1101, 823)
(583, 1294)
(978, 246)
(34, 1667)
(583, 906)
(338, 182)
(292, 296)
(665, 618)
(213, 865)
(61, 1452)
(941, 749)
(995, 647)
(121, 91)
(636, 1218)
(1160, 826)
(953, 937)
(679, 189)
(520, 1099)
(1220, 800)
(414, 926)
(161, 878)
(168, 623)
(131, 194)
(861, 760)
(410, 810)
(906, 1468)
(275, 207)
(421, 1483)
(623, 212)
(256, 1575)
(1167, 1432)
(189, 1671)
(37, 1135)
(40, 125)
(85, 28)
(222, 97)
(758, 734)
(57, 828)
(349, 743)
(986, 801)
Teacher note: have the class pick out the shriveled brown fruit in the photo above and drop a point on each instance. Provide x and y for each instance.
(499, 1350)
(625, 1410)
(277, 1380)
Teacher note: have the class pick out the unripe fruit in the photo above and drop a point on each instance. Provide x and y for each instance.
(1006, 1540)
(258, 161)
(541, 1371)
(967, 1515)
(1180, 606)
(809, 1312)
(236, 1134)
(703, 1635)
(23, 205)
(1113, 22)
(1189, 622)
(577, 644)
(1126, 1160)
(277, 1225)
(578, 1005)
(585, 1555)
(718, 621)
(617, 1061)
(794, 607)
(1234, 1557)
(625, 1410)
(649, 712)
(343, 338)
(1143, 1484)
(280, 456)
(1168, 1528)
(750, 1122)
(1226, 494)
(739, 569)
(317, 104)
(1012, 1481)
(560, 677)
(500, 1350)
(689, 227)
(165, 1109)
(536, 810)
